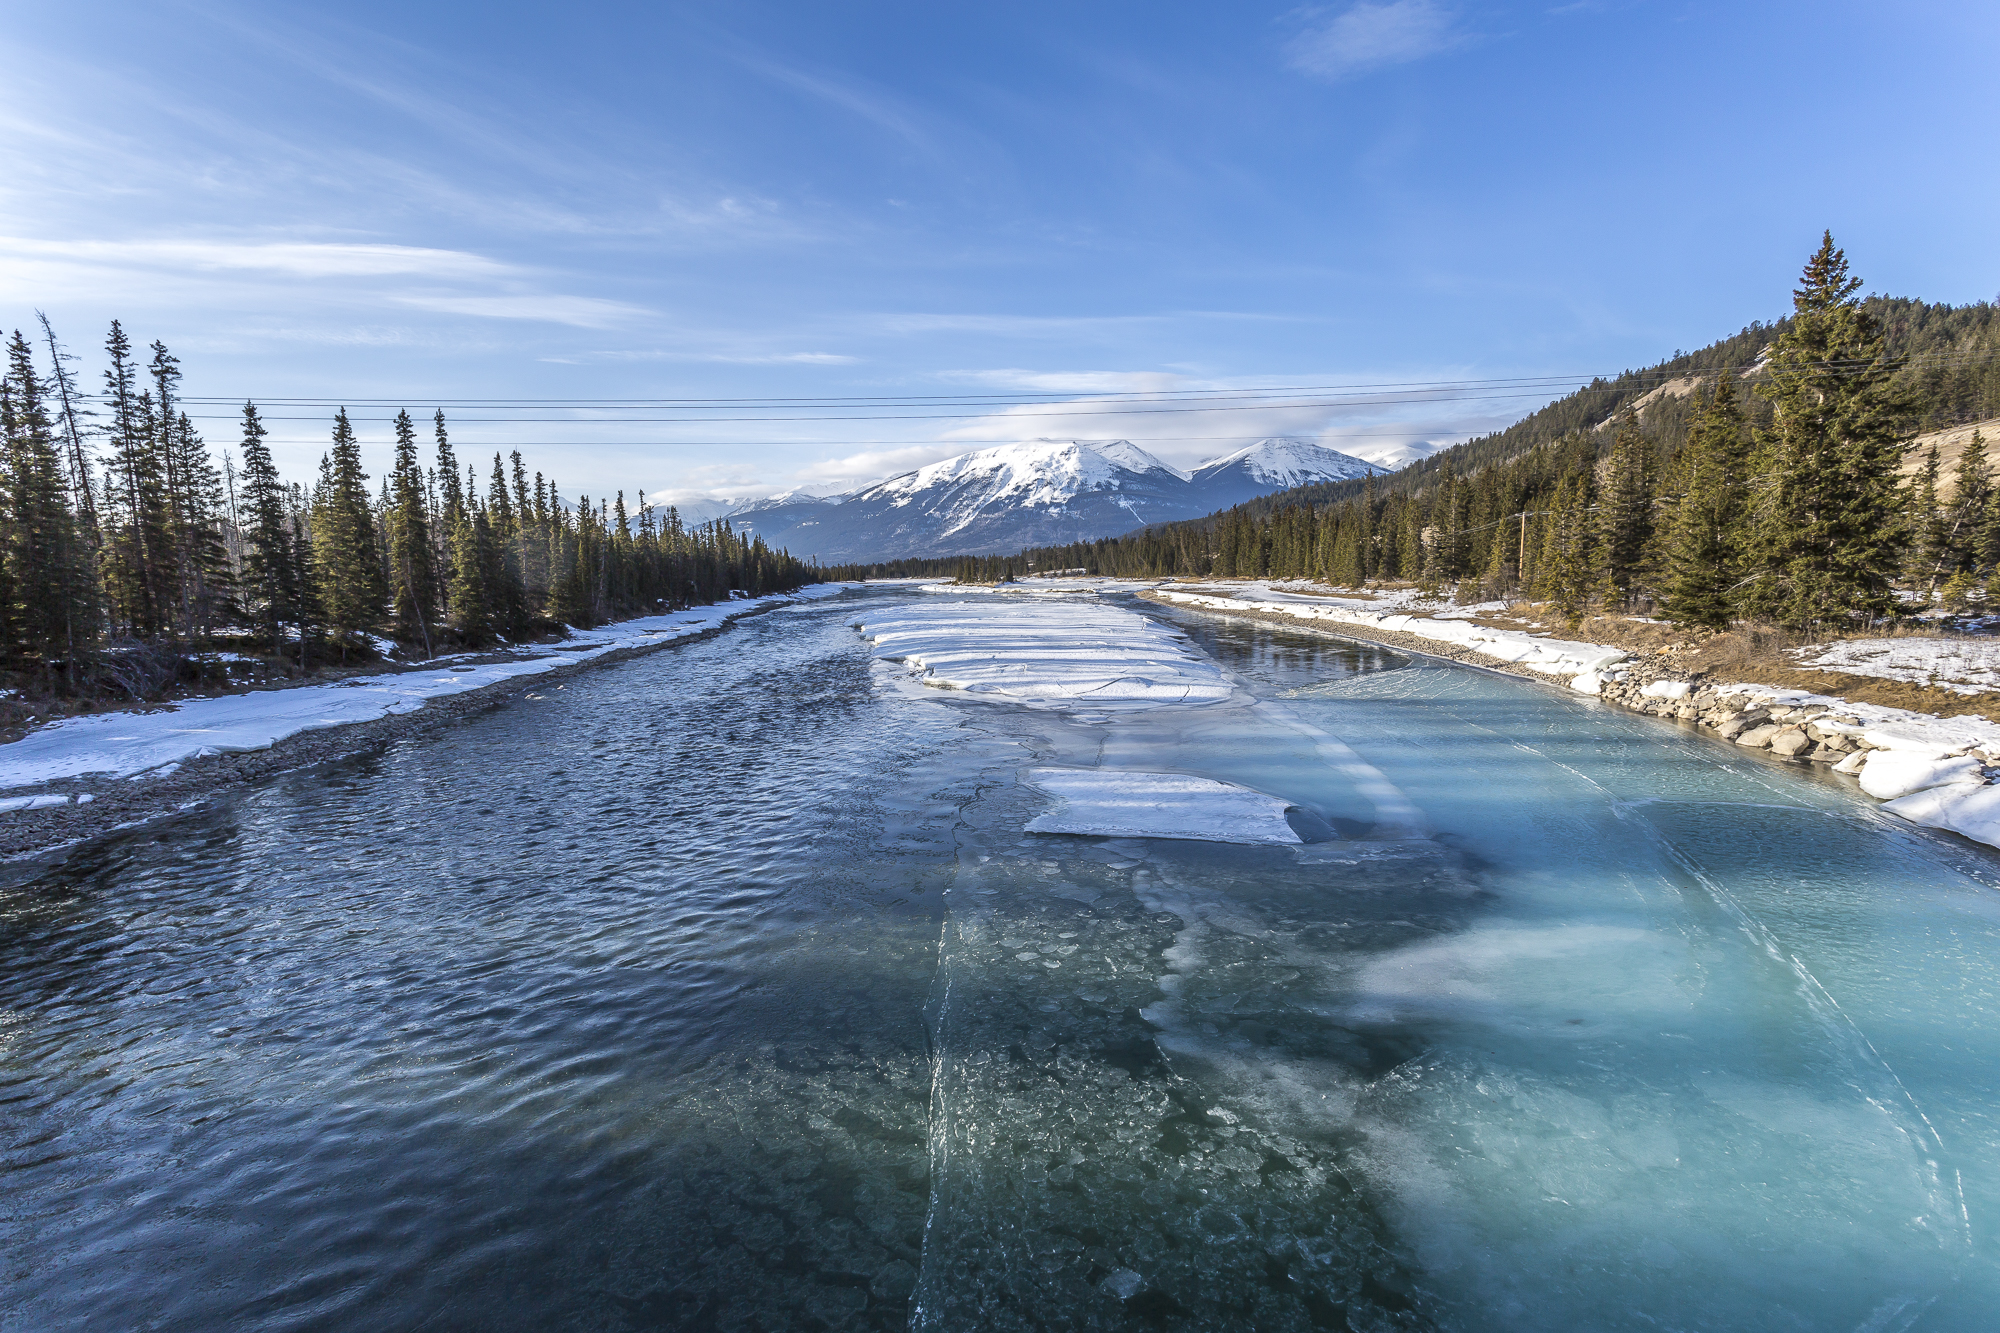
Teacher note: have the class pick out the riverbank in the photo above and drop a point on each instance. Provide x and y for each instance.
(1936, 771)
(91, 775)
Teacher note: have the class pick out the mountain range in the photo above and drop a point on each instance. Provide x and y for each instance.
(1036, 493)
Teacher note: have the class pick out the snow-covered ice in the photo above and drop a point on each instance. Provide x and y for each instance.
(1124, 804)
(128, 744)
(1046, 652)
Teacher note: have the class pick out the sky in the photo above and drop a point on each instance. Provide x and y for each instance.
(937, 226)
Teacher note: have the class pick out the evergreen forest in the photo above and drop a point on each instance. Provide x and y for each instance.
(1760, 479)
(133, 563)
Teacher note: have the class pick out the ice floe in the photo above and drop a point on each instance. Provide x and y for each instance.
(1050, 653)
(130, 744)
(1118, 803)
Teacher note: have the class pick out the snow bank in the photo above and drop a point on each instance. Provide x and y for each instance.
(127, 744)
(1115, 804)
(1965, 666)
(1555, 657)
(1047, 653)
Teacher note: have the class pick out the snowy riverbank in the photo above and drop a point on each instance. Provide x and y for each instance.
(1939, 772)
(75, 763)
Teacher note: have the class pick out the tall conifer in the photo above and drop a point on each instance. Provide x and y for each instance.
(1831, 533)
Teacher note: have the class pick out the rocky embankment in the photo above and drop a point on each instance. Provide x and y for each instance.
(1815, 732)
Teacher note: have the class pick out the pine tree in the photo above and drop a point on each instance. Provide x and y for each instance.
(1966, 542)
(351, 586)
(272, 578)
(1568, 563)
(1831, 533)
(1702, 553)
(48, 606)
(137, 539)
(1625, 509)
(412, 573)
(472, 553)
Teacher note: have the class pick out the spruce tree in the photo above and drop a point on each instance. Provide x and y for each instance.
(351, 585)
(272, 578)
(1831, 533)
(1967, 541)
(1568, 563)
(49, 606)
(412, 573)
(1625, 509)
(1701, 554)
(137, 541)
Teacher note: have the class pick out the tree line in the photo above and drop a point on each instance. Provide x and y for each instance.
(1772, 496)
(127, 552)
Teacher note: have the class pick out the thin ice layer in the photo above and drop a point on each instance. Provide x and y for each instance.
(1123, 804)
(1047, 654)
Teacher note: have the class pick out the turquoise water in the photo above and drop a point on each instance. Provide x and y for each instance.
(723, 989)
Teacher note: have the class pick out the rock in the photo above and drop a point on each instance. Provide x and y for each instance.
(1687, 712)
(1823, 755)
(1852, 764)
(1758, 737)
(1838, 743)
(1789, 742)
(1730, 728)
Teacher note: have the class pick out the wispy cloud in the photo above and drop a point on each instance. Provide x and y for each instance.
(876, 464)
(1371, 36)
(300, 259)
(1072, 381)
(583, 312)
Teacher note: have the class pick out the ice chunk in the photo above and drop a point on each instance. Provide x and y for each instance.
(1048, 654)
(1124, 804)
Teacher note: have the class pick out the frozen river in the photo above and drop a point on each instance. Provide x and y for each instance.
(731, 988)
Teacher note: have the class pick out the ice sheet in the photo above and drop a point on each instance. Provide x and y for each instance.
(1051, 653)
(124, 744)
(1123, 804)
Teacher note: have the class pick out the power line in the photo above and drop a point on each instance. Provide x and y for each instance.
(1392, 393)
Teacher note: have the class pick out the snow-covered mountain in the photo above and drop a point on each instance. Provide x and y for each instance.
(1395, 457)
(1276, 464)
(1037, 493)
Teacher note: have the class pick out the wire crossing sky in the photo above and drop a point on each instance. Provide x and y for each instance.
(728, 249)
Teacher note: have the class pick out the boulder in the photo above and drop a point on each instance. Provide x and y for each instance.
(1789, 742)
(1759, 736)
(1732, 727)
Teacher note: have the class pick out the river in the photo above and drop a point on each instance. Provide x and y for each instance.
(723, 988)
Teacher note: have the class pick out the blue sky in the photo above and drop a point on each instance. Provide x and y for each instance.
(767, 200)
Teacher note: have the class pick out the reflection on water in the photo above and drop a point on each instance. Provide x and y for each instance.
(724, 989)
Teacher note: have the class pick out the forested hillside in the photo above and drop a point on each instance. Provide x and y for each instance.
(129, 557)
(1755, 478)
